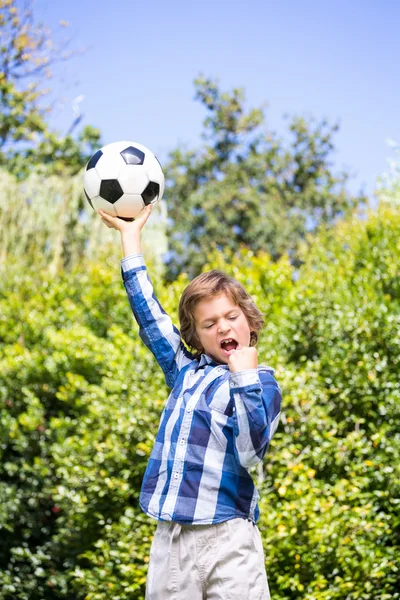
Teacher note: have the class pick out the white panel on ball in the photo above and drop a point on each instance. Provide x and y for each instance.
(133, 180)
(92, 183)
(110, 165)
(99, 202)
(153, 168)
(129, 205)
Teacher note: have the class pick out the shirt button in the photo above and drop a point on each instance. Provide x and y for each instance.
(176, 475)
(188, 409)
(182, 441)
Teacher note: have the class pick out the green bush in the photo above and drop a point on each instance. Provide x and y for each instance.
(81, 398)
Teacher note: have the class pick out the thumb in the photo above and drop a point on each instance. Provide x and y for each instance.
(143, 216)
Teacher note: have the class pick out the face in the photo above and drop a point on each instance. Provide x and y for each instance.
(221, 327)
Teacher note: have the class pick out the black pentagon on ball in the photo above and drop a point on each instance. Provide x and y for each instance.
(150, 193)
(133, 156)
(111, 190)
(94, 160)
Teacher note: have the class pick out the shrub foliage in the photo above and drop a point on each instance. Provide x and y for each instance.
(81, 398)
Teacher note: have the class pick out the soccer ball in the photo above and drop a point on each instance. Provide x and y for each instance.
(122, 178)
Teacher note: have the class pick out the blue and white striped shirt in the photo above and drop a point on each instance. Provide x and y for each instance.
(214, 427)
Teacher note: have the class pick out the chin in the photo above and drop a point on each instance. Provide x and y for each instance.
(222, 360)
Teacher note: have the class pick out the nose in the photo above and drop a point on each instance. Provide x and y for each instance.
(223, 327)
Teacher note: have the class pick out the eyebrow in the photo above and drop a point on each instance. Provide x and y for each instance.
(213, 318)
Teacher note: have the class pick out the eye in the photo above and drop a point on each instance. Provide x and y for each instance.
(208, 326)
(233, 318)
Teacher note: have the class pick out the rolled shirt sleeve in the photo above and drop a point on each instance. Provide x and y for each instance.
(256, 410)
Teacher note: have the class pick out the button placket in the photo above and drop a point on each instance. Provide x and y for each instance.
(177, 469)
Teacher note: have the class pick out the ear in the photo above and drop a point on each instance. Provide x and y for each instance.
(253, 338)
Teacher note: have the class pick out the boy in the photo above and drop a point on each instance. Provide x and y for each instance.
(219, 418)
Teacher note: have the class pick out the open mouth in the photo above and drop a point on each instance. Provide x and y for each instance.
(229, 345)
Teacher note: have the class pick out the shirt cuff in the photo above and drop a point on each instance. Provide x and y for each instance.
(244, 379)
(132, 262)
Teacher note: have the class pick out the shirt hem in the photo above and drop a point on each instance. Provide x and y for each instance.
(199, 521)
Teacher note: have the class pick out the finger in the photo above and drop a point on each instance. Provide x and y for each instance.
(105, 216)
(110, 221)
(144, 215)
(107, 224)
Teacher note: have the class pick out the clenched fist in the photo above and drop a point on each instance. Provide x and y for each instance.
(243, 359)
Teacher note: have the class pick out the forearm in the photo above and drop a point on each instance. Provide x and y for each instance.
(130, 230)
(256, 414)
(131, 243)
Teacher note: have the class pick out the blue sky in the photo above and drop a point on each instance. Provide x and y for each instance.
(337, 60)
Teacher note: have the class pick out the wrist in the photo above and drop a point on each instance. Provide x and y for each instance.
(244, 379)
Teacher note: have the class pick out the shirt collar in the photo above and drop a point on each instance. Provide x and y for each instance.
(206, 360)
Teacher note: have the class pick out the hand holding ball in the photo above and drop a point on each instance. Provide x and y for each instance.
(122, 178)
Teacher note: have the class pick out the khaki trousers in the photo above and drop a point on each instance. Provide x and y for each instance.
(207, 562)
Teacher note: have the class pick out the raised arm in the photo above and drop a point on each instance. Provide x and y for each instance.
(155, 326)
(130, 231)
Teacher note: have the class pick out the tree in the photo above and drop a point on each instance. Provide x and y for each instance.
(246, 187)
(27, 52)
